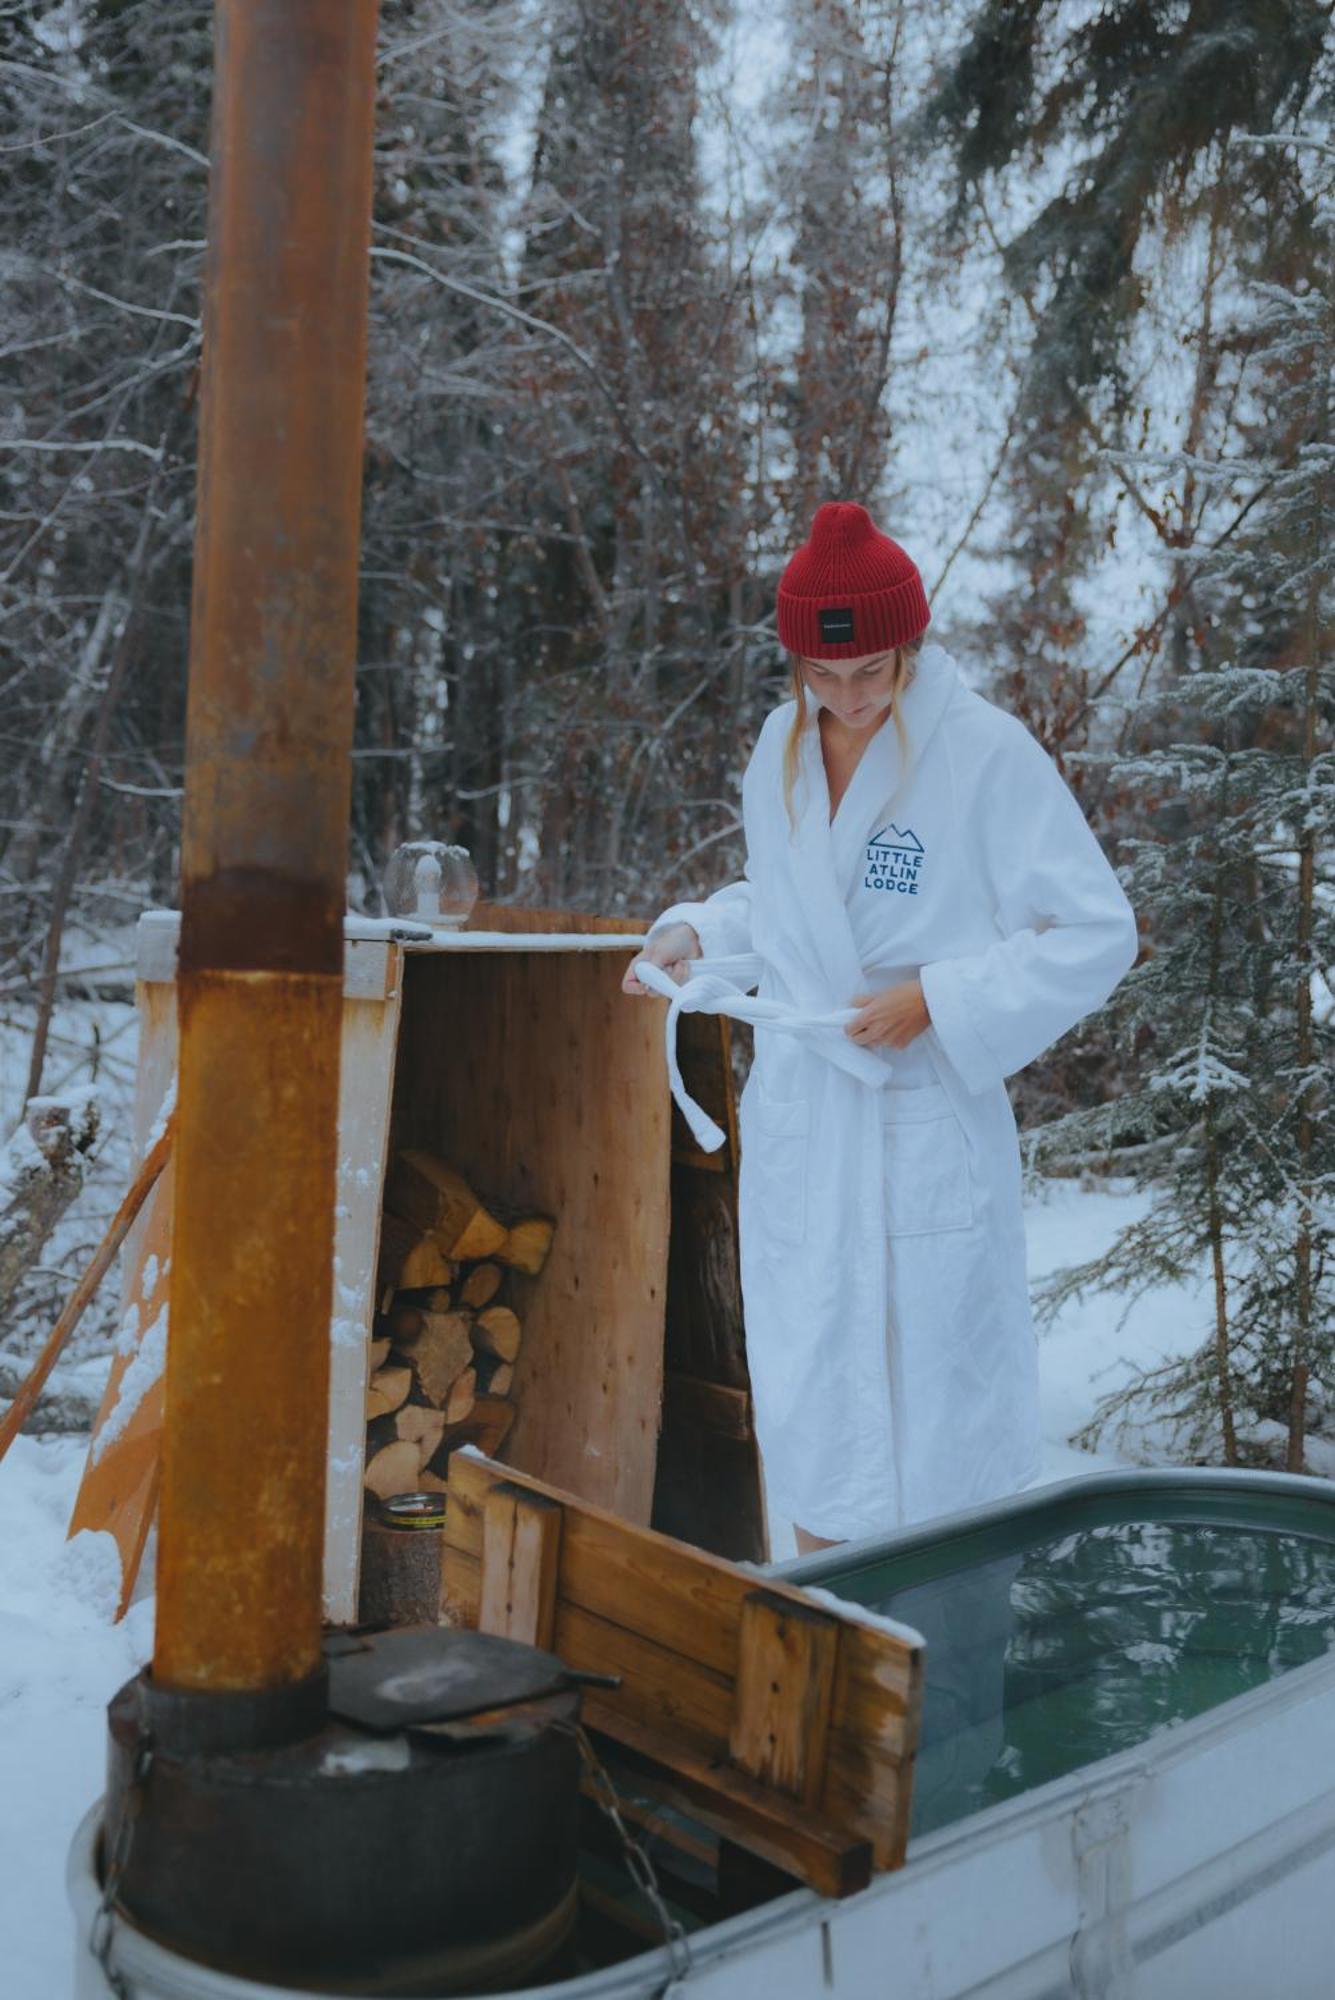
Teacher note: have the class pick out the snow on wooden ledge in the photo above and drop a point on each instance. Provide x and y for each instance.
(159, 930)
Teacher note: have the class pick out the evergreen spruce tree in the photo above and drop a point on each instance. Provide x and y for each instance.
(839, 183)
(437, 638)
(1092, 148)
(1230, 1016)
(105, 182)
(1130, 106)
(635, 449)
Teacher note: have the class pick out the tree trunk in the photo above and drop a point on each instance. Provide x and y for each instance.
(1318, 577)
(1309, 1082)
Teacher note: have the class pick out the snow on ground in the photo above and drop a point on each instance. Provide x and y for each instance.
(61, 1659)
(1101, 1341)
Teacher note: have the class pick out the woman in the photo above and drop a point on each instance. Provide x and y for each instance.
(913, 854)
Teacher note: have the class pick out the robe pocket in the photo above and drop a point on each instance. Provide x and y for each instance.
(779, 1128)
(928, 1186)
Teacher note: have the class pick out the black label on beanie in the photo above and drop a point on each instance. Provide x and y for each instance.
(836, 627)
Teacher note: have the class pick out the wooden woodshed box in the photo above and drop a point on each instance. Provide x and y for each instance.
(509, 1050)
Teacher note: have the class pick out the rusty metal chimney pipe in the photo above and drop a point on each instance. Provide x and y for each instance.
(264, 845)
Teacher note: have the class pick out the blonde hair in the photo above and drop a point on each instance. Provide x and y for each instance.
(904, 656)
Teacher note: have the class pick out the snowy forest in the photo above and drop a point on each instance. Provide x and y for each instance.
(1048, 285)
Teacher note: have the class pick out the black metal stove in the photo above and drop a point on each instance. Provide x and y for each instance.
(405, 1824)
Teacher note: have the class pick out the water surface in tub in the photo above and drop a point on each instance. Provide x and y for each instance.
(1049, 1656)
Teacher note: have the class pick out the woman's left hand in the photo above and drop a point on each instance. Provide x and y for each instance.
(895, 1016)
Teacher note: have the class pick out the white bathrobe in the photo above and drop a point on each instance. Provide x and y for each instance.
(891, 1348)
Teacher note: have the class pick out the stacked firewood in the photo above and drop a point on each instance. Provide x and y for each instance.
(446, 1337)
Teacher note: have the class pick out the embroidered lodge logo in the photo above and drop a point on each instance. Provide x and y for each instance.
(894, 861)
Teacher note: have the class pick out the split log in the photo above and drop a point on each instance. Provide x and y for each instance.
(463, 1394)
(493, 1416)
(527, 1243)
(494, 1376)
(487, 1425)
(380, 1431)
(379, 1352)
(439, 1354)
(438, 1201)
(387, 1389)
(425, 1264)
(480, 1286)
(394, 1469)
(396, 1240)
(412, 1312)
(497, 1331)
(409, 1257)
(429, 1298)
(405, 1321)
(419, 1424)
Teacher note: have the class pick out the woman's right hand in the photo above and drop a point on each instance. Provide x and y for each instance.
(673, 948)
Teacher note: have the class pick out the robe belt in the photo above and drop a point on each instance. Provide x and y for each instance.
(719, 986)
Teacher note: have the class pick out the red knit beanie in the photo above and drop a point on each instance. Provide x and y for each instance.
(849, 589)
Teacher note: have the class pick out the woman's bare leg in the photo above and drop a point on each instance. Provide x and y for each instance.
(808, 1544)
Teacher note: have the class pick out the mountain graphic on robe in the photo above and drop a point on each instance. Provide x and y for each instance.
(897, 839)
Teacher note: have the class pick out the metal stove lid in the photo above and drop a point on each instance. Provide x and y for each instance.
(392, 1680)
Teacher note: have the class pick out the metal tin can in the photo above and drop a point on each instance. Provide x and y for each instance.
(413, 1510)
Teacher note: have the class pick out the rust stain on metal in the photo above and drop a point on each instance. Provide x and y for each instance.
(275, 582)
(254, 918)
(243, 1467)
(264, 843)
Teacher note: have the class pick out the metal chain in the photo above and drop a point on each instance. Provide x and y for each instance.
(104, 1923)
(639, 1866)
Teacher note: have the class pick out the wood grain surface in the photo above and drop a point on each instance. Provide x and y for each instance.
(546, 1086)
